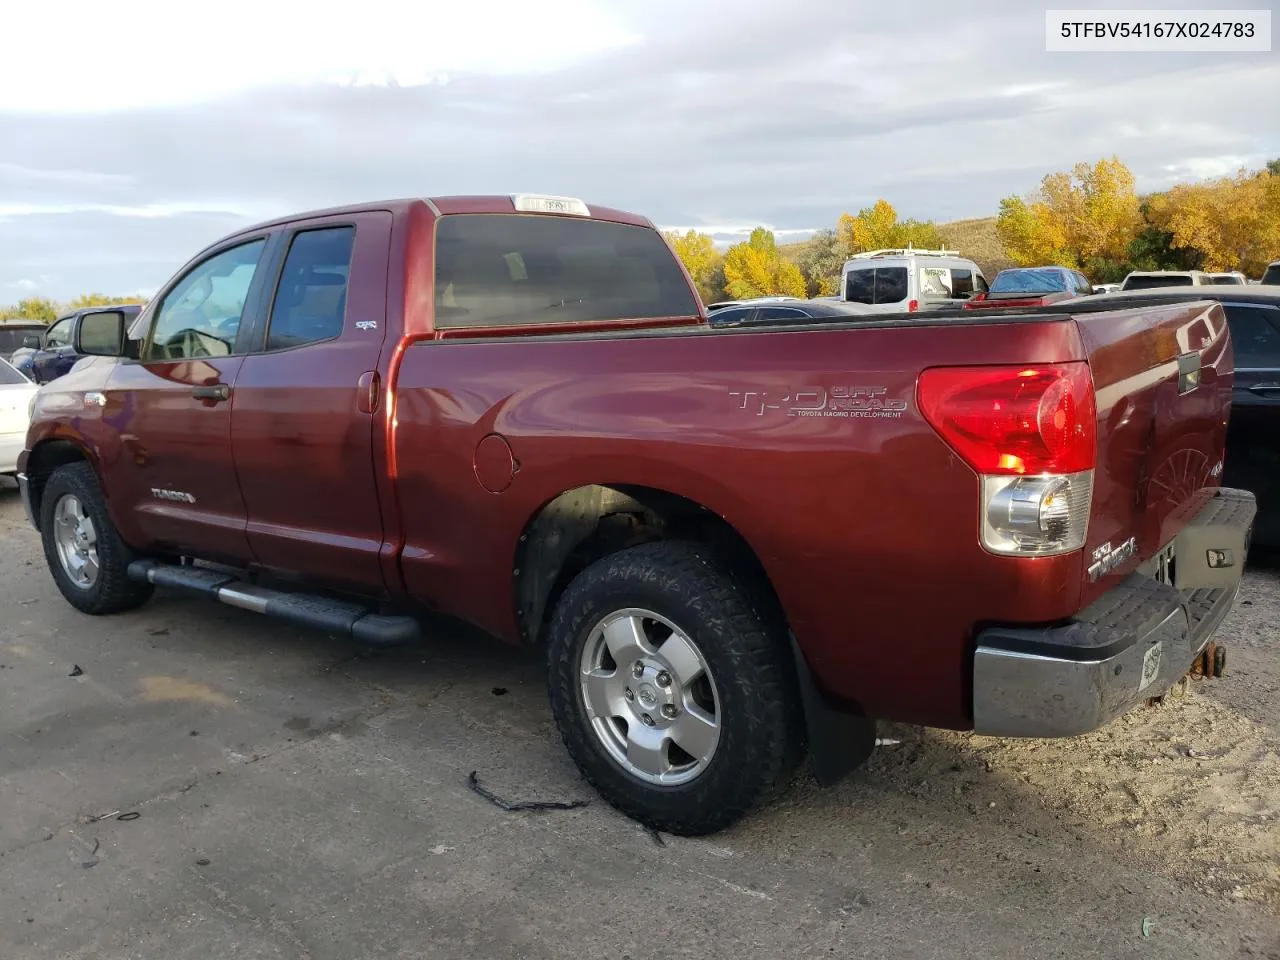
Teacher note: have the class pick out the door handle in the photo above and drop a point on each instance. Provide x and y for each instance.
(217, 392)
(367, 391)
(1265, 388)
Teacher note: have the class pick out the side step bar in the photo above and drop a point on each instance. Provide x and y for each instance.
(349, 619)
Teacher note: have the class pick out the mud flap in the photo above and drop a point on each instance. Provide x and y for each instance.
(839, 742)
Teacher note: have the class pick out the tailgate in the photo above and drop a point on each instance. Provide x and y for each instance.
(1162, 376)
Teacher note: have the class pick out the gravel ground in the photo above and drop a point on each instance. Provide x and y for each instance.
(296, 798)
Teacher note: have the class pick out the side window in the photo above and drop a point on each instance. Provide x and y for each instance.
(59, 334)
(980, 283)
(311, 300)
(201, 315)
(735, 315)
(961, 284)
(781, 313)
(1255, 335)
(860, 286)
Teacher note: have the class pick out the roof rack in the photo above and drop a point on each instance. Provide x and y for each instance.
(902, 252)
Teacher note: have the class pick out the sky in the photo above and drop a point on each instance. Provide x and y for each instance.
(132, 134)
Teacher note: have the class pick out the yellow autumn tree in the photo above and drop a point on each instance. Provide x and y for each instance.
(1234, 223)
(754, 268)
(697, 251)
(101, 300)
(878, 228)
(1088, 214)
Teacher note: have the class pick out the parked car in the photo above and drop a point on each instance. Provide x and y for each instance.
(16, 334)
(1149, 279)
(1230, 278)
(57, 352)
(1031, 287)
(511, 410)
(1253, 436)
(799, 311)
(1271, 276)
(893, 281)
(16, 395)
(722, 304)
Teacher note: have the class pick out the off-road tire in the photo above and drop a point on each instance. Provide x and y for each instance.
(112, 591)
(749, 657)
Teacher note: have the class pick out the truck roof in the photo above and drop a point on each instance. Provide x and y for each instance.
(442, 206)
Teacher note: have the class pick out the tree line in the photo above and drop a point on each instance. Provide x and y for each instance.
(46, 310)
(1089, 218)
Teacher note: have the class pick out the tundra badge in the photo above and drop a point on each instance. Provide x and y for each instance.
(178, 496)
(1106, 558)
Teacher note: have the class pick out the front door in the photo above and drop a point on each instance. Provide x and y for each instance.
(175, 474)
(1253, 433)
(308, 404)
(47, 362)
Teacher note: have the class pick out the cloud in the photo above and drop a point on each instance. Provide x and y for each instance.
(712, 115)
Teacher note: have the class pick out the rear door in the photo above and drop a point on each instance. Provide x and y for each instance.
(171, 408)
(304, 414)
(1253, 435)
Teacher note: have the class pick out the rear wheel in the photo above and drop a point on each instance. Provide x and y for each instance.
(88, 559)
(677, 701)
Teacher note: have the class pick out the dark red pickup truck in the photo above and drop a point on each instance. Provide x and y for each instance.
(735, 546)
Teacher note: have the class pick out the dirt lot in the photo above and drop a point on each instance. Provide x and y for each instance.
(297, 799)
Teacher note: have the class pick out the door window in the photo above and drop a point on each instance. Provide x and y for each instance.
(200, 316)
(781, 313)
(311, 300)
(1255, 336)
(59, 334)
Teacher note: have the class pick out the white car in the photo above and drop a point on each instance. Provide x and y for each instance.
(16, 395)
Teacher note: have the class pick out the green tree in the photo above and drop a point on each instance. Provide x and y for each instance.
(100, 300)
(821, 261)
(32, 308)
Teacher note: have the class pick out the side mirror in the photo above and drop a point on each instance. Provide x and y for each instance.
(101, 334)
(31, 342)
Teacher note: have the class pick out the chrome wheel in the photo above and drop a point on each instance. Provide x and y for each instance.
(76, 542)
(650, 697)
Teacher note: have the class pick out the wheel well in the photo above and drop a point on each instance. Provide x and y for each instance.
(46, 458)
(584, 525)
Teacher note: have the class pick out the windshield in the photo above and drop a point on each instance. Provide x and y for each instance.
(1272, 275)
(1029, 281)
(1226, 278)
(1147, 283)
(9, 376)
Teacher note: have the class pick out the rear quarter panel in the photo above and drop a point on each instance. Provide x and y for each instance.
(867, 525)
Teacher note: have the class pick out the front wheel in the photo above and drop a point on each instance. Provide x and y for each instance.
(86, 556)
(675, 698)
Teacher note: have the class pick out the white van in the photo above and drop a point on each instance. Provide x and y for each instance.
(897, 281)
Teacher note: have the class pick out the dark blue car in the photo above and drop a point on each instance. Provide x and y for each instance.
(57, 353)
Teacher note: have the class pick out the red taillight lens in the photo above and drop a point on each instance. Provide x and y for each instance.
(1014, 420)
(913, 306)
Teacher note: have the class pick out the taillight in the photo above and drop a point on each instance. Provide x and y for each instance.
(913, 306)
(1031, 435)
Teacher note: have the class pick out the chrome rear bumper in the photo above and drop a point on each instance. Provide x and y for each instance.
(1134, 643)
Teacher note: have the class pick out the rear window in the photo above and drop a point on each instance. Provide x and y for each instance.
(496, 270)
(876, 285)
(1226, 279)
(11, 338)
(1147, 283)
(1272, 274)
(1029, 281)
(9, 376)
